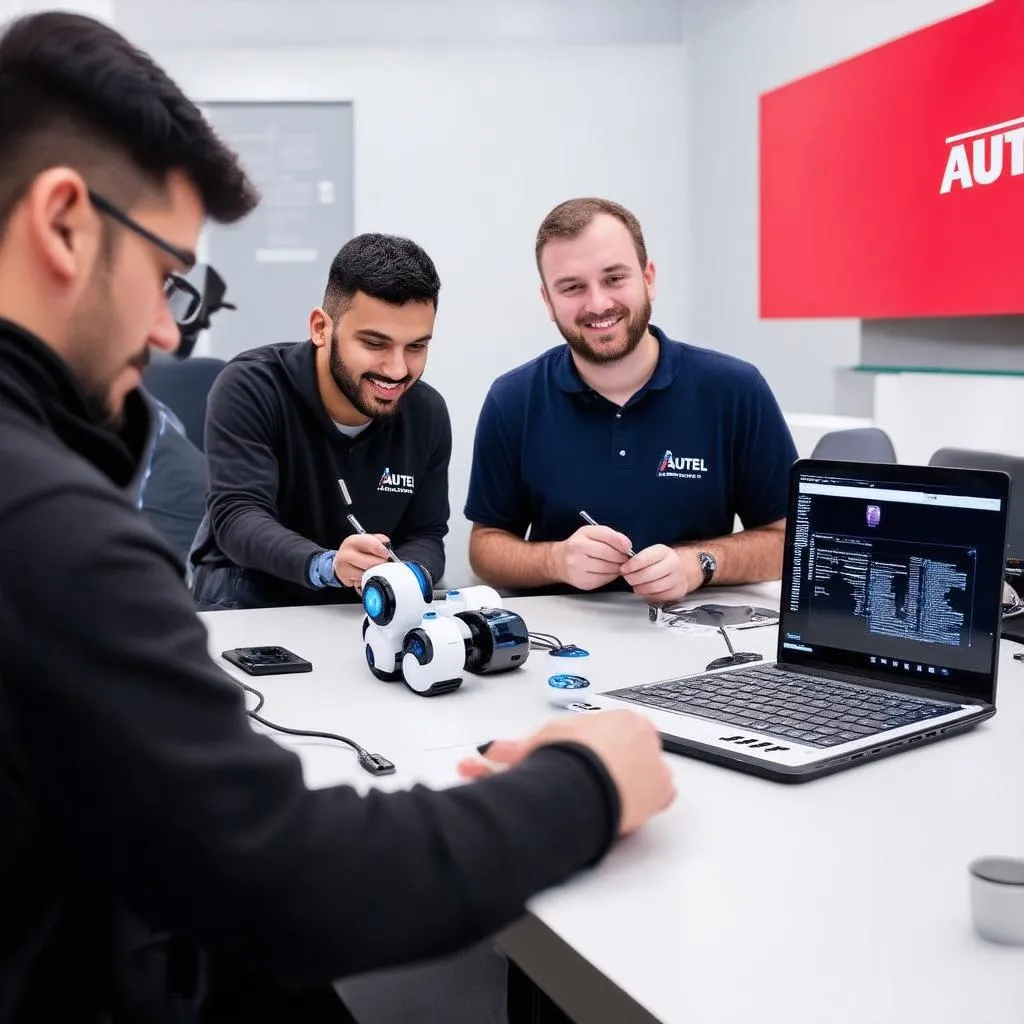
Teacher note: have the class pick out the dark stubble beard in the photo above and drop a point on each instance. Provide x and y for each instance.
(636, 328)
(349, 386)
(95, 323)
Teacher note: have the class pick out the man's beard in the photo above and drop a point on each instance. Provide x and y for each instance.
(349, 386)
(95, 326)
(98, 398)
(97, 394)
(636, 328)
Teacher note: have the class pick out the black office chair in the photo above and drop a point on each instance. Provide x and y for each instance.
(967, 458)
(858, 444)
(173, 496)
(183, 386)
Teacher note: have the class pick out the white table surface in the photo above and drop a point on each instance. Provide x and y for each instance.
(840, 900)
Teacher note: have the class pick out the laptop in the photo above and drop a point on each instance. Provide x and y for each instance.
(888, 629)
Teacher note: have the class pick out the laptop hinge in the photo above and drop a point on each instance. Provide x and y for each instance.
(845, 676)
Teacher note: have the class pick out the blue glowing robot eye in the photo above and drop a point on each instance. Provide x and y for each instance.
(426, 587)
(567, 682)
(373, 602)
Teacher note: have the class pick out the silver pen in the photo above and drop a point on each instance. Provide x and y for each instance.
(590, 520)
(358, 526)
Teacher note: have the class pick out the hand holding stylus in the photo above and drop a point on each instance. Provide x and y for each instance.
(591, 521)
(358, 527)
(357, 553)
(361, 550)
(591, 557)
(656, 573)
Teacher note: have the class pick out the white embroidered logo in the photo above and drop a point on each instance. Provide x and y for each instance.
(690, 468)
(396, 483)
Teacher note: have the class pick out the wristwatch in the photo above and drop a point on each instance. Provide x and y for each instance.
(708, 565)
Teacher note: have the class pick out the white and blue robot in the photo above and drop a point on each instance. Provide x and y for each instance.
(395, 596)
(430, 647)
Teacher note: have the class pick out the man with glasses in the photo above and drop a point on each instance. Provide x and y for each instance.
(183, 298)
(147, 832)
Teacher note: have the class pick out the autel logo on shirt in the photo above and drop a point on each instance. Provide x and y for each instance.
(396, 483)
(684, 468)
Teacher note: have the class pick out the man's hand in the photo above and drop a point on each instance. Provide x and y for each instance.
(627, 744)
(359, 552)
(663, 575)
(591, 557)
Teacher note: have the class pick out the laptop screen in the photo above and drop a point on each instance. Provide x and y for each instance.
(895, 572)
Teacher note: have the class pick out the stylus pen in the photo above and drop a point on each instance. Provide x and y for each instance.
(358, 527)
(588, 518)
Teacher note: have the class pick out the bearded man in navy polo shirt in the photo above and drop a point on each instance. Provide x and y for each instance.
(662, 443)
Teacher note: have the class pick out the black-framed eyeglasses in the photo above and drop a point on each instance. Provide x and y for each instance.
(184, 300)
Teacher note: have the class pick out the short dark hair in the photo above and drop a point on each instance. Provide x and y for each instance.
(571, 218)
(76, 93)
(386, 267)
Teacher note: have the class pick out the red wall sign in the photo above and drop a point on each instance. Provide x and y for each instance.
(892, 184)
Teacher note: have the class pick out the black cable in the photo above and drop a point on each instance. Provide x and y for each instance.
(373, 763)
(546, 636)
(545, 641)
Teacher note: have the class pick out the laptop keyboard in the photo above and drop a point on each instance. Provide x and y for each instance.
(786, 704)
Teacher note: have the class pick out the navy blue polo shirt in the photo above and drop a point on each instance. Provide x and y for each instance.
(703, 441)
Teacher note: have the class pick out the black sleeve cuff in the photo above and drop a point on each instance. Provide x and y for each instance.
(594, 767)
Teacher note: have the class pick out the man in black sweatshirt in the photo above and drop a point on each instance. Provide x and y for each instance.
(301, 435)
(143, 823)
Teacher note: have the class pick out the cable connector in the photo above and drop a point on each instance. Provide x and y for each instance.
(375, 764)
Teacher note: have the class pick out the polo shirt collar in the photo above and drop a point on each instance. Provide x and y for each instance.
(568, 378)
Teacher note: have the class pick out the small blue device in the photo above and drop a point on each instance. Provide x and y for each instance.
(564, 689)
(563, 681)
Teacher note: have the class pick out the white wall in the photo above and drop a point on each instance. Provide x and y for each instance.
(235, 24)
(730, 63)
(102, 9)
(465, 150)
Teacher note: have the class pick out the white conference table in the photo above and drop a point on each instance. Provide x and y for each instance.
(843, 900)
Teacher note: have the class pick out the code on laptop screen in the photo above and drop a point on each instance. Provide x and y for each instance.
(895, 578)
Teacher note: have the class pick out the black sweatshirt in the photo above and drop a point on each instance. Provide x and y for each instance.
(141, 817)
(275, 458)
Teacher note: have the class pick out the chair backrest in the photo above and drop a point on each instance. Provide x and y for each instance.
(858, 444)
(173, 495)
(183, 386)
(968, 458)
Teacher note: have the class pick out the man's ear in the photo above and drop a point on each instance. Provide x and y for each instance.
(649, 275)
(63, 224)
(320, 326)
